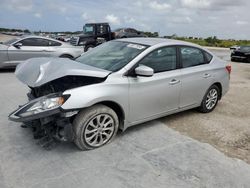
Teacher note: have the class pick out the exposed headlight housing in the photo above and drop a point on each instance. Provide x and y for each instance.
(39, 107)
(43, 105)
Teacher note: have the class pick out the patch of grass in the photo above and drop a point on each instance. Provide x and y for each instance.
(213, 41)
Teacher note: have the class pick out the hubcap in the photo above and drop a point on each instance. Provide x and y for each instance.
(99, 130)
(211, 99)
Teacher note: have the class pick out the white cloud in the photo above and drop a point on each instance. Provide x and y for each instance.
(159, 6)
(84, 16)
(138, 3)
(181, 20)
(241, 22)
(188, 19)
(38, 15)
(129, 19)
(196, 3)
(212, 18)
(211, 4)
(113, 19)
(144, 27)
(57, 6)
(18, 5)
(183, 17)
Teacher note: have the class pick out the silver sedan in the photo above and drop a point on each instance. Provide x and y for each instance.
(116, 85)
(19, 49)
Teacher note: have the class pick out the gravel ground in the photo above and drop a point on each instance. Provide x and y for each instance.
(228, 127)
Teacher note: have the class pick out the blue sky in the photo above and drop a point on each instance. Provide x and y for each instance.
(201, 18)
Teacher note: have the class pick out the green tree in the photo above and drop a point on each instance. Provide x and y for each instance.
(212, 41)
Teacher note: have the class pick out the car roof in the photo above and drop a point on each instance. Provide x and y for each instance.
(36, 36)
(154, 41)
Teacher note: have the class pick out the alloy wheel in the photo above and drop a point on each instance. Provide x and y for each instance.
(99, 130)
(211, 99)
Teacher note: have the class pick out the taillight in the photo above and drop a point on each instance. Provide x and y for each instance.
(229, 69)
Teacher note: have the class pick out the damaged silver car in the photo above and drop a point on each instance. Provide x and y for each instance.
(116, 85)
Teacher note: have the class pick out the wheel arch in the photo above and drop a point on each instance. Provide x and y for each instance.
(118, 110)
(218, 84)
(66, 55)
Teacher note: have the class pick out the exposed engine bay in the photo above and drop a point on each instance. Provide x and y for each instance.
(58, 125)
(64, 83)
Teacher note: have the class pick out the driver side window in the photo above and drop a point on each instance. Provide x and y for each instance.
(160, 60)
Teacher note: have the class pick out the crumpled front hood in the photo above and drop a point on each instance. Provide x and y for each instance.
(38, 71)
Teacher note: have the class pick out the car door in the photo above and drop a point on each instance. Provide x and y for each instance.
(30, 48)
(197, 75)
(152, 96)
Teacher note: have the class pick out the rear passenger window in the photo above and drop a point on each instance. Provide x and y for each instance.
(191, 57)
(163, 59)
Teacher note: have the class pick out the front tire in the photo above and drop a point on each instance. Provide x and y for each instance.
(210, 99)
(94, 127)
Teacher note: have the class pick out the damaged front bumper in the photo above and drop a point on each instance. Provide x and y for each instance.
(46, 117)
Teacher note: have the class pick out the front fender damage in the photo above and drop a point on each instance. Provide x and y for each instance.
(57, 124)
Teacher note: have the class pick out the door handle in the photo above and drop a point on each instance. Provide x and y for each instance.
(174, 81)
(206, 75)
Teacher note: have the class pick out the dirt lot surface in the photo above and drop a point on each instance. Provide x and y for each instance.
(227, 128)
(5, 37)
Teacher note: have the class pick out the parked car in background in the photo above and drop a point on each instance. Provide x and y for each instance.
(241, 54)
(128, 33)
(19, 49)
(118, 84)
(235, 47)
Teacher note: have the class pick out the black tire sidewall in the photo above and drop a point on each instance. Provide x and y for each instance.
(203, 107)
(84, 117)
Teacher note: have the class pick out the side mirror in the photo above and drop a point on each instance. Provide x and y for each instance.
(143, 70)
(18, 45)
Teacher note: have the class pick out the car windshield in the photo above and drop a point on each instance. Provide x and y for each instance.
(88, 29)
(111, 56)
(245, 48)
(9, 42)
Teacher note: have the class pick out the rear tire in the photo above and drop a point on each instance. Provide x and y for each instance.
(210, 99)
(94, 127)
